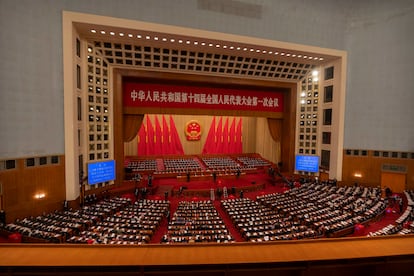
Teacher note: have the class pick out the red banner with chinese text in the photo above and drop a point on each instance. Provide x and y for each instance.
(173, 96)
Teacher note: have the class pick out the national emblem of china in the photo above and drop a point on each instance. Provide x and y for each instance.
(193, 131)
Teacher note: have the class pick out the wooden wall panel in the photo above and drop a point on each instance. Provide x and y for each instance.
(21, 184)
(370, 169)
(395, 181)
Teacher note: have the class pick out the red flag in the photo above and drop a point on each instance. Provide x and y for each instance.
(142, 138)
(150, 137)
(225, 137)
(175, 139)
(217, 140)
(232, 137)
(239, 144)
(209, 143)
(166, 137)
(158, 149)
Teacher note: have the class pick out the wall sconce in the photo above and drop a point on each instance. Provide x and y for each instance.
(40, 196)
(358, 175)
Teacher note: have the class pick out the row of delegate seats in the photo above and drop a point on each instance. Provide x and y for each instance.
(149, 165)
(326, 208)
(182, 165)
(134, 224)
(257, 222)
(60, 226)
(220, 163)
(196, 221)
(404, 224)
(253, 162)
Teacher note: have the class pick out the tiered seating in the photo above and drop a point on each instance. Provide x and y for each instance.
(252, 162)
(259, 223)
(60, 226)
(326, 208)
(145, 165)
(221, 163)
(196, 221)
(134, 224)
(182, 165)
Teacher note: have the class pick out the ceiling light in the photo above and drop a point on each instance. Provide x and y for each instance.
(315, 73)
(102, 32)
(121, 34)
(164, 39)
(93, 31)
(130, 35)
(147, 37)
(139, 36)
(155, 37)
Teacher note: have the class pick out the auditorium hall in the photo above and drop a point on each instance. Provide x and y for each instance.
(214, 137)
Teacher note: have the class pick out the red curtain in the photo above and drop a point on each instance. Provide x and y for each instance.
(166, 137)
(239, 144)
(150, 137)
(158, 145)
(142, 140)
(232, 137)
(175, 139)
(209, 145)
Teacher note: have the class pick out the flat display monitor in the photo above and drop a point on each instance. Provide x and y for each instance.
(307, 163)
(99, 172)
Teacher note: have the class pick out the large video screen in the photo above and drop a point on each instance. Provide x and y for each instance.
(307, 163)
(99, 172)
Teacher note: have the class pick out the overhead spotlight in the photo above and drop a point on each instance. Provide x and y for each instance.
(302, 101)
(155, 37)
(195, 42)
(172, 40)
(210, 44)
(217, 45)
(139, 36)
(112, 33)
(315, 73)
(225, 46)
(203, 44)
(147, 37)
(164, 39)
(103, 32)
(231, 47)
(180, 41)
(93, 31)
(130, 35)
(188, 42)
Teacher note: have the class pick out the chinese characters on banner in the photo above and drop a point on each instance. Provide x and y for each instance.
(158, 95)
